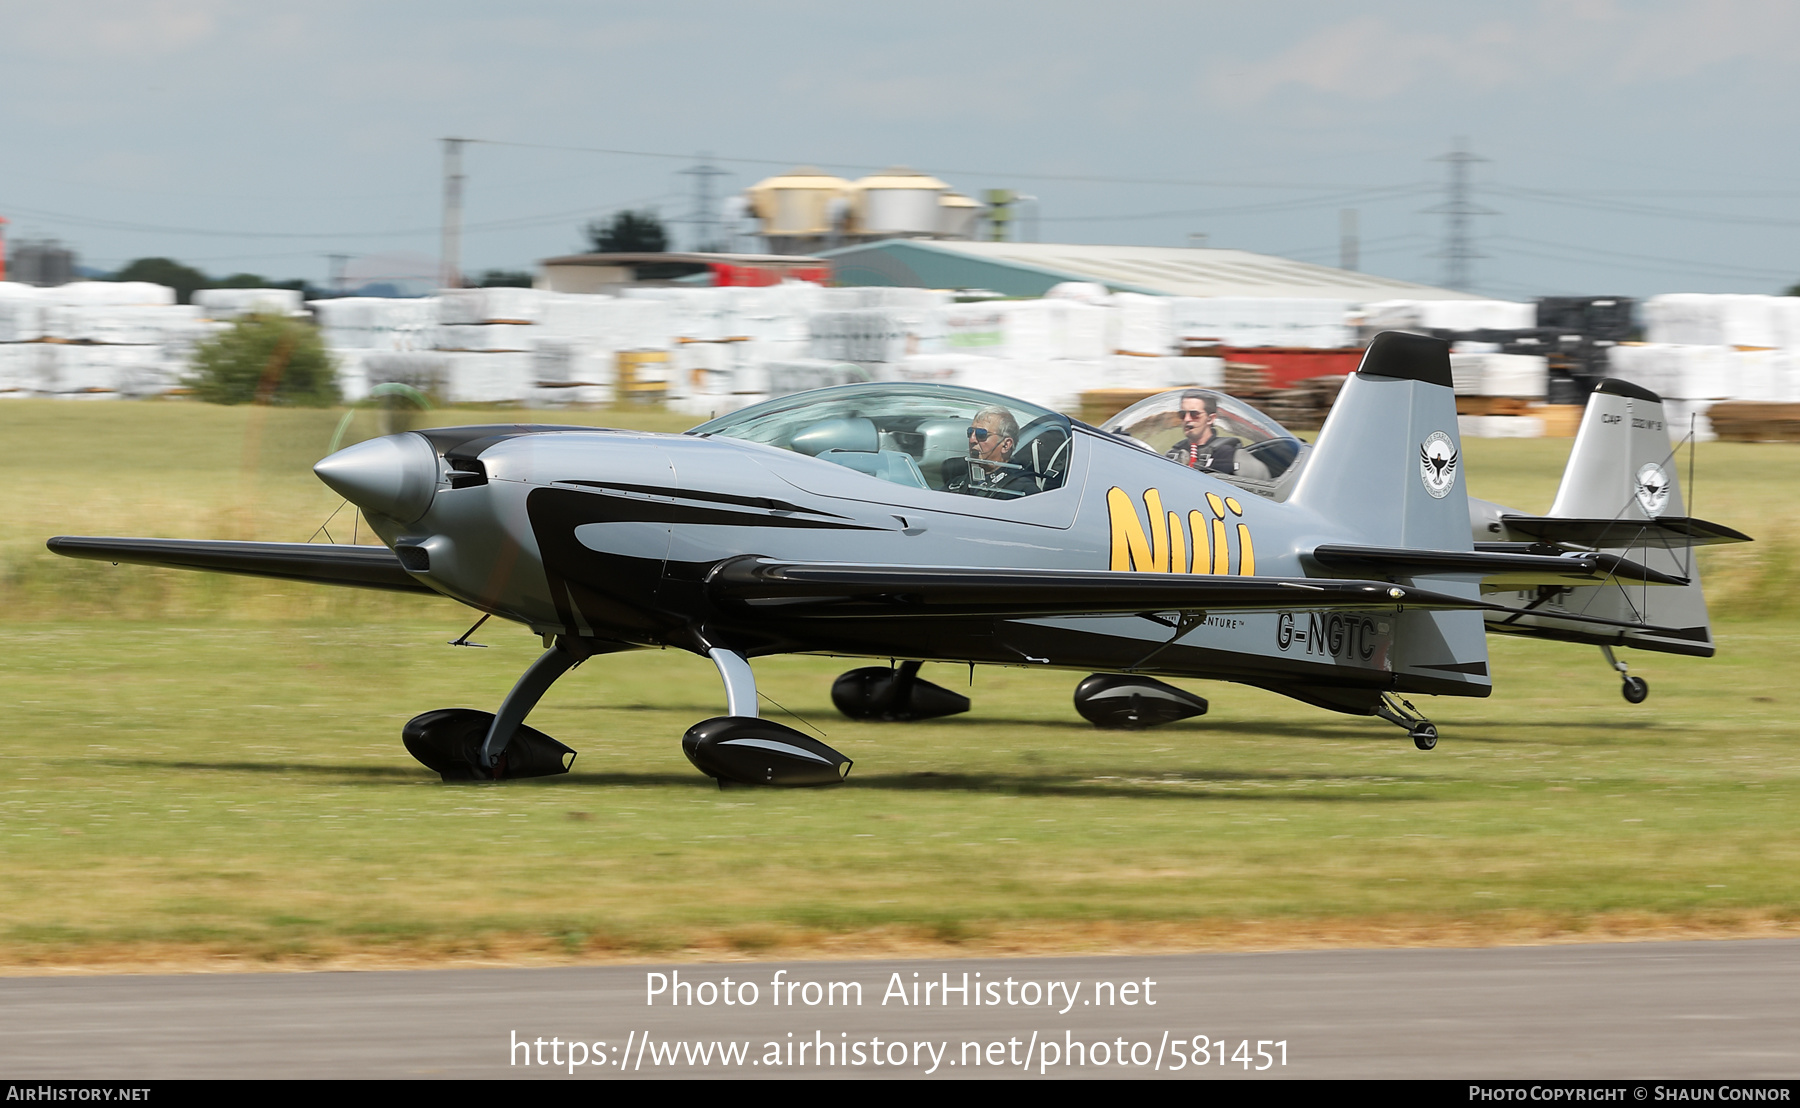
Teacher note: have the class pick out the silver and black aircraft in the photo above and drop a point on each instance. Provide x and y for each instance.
(928, 523)
(1620, 497)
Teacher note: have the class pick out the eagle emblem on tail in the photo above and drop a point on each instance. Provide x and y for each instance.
(1437, 464)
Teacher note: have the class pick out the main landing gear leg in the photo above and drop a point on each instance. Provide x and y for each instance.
(1401, 713)
(525, 694)
(740, 682)
(466, 745)
(743, 749)
(1635, 689)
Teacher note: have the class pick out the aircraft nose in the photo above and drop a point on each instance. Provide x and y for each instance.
(395, 475)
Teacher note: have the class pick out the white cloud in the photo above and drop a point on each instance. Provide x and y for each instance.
(1375, 58)
(117, 28)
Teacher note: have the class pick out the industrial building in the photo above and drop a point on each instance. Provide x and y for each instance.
(611, 273)
(1018, 269)
(903, 228)
(807, 210)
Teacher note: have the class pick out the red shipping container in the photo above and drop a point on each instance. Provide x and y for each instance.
(1290, 365)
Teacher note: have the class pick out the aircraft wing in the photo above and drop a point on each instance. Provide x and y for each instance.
(813, 590)
(1670, 531)
(1502, 565)
(828, 590)
(366, 567)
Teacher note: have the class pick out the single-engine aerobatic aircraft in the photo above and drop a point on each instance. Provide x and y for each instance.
(938, 523)
(1619, 497)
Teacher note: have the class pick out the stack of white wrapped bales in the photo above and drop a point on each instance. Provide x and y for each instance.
(727, 346)
(867, 334)
(1500, 396)
(225, 305)
(1264, 321)
(485, 339)
(356, 327)
(1702, 349)
(1448, 315)
(1075, 339)
(95, 340)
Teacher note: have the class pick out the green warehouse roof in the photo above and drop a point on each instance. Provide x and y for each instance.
(1032, 268)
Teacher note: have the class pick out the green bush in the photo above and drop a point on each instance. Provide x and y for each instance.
(267, 360)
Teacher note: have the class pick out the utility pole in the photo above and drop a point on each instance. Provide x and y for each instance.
(1031, 228)
(1459, 210)
(1349, 241)
(705, 218)
(450, 261)
(336, 276)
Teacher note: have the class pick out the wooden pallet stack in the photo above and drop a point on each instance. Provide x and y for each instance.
(1302, 407)
(1754, 421)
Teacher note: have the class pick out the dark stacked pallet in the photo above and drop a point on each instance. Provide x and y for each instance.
(1574, 335)
(1303, 406)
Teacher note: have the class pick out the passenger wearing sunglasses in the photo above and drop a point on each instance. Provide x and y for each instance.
(1200, 447)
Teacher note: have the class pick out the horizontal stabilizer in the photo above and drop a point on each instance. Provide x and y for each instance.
(1502, 618)
(1620, 492)
(1501, 565)
(1670, 531)
(813, 590)
(364, 567)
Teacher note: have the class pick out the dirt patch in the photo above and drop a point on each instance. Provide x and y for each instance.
(970, 941)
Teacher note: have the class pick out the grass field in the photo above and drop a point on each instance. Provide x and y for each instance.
(207, 771)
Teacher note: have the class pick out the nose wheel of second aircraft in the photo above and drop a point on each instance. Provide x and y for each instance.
(1635, 690)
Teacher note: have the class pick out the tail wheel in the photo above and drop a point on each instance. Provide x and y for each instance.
(1635, 690)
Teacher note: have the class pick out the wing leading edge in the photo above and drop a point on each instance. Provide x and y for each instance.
(363, 567)
(834, 590)
(1500, 565)
(1674, 532)
(821, 590)
(825, 590)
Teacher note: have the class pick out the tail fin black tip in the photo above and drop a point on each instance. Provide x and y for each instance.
(1615, 387)
(1408, 357)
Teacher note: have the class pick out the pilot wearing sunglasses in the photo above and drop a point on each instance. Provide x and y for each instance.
(1200, 447)
(992, 435)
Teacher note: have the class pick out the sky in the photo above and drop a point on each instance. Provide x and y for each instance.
(1627, 148)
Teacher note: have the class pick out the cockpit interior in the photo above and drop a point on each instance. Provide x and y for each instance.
(1262, 452)
(941, 437)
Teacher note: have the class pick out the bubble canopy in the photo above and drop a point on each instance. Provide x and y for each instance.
(1265, 448)
(941, 437)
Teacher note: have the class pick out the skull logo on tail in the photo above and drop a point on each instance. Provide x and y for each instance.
(1652, 489)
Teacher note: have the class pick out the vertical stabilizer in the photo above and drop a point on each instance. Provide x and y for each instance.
(1387, 471)
(1388, 463)
(1621, 466)
(1623, 470)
